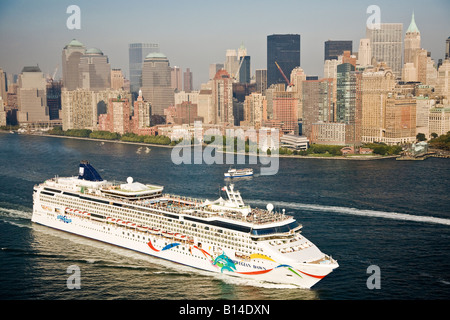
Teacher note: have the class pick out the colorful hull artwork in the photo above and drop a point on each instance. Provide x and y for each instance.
(227, 264)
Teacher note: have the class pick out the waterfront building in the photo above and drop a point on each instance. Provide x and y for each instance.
(376, 84)
(3, 113)
(117, 79)
(423, 106)
(346, 93)
(294, 142)
(32, 96)
(117, 118)
(71, 56)
(336, 48)
(136, 54)
(222, 95)
(188, 84)
(330, 72)
(285, 50)
(156, 82)
(142, 114)
(439, 119)
(318, 104)
(400, 119)
(81, 108)
(386, 45)
(95, 70)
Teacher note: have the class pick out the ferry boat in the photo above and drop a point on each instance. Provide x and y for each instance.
(223, 236)
(235, 173)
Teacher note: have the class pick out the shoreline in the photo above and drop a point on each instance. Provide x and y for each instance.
(355, 157)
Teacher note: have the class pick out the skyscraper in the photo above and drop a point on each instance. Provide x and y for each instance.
(364, 53)
(261, 80)
(136, 54)
(176, 80)
(285, 50)
(386, 44)
(95, 70)
(412, 41)
(222, 95)
(156, 82)
(32, 95)
(335, 48)
(71, 56)
(187, 80)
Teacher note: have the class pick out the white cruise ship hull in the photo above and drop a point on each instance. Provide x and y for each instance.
(259, 268)
(223, 236)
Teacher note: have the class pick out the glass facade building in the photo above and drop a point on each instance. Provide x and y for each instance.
(285, 50)
(334, 49)
(136, 54)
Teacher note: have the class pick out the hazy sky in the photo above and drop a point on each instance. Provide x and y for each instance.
(195, 33)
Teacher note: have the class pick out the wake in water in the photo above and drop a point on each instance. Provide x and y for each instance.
(353, 211)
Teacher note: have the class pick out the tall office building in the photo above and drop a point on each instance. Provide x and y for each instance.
(364, 53)
(187, 81)
(231, 63)
(412, 41)
(261, 80)
(283, 49)
(376, 85)
(95, 70)
(222, 95)
(136, 55)
(71, 56)
(156, 82)
(117, 79)
(386, 44)
(346, 93)
(175, 78)
(3, 87)
(255, 110)
(317, 104)
(297, 78)
(54, 99)
(213, 68)
(335, 48)
(32, 96)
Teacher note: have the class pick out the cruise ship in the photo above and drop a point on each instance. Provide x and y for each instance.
(224, 236)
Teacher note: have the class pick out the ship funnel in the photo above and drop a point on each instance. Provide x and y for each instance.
(87, 172)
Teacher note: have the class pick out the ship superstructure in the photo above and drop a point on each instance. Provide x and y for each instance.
(225, 235)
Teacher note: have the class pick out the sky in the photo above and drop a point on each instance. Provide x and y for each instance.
(196, 33)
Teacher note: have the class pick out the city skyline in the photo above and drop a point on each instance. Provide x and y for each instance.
(196, 34)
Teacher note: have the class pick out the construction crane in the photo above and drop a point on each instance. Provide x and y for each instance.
(54, 73)
(284, 76)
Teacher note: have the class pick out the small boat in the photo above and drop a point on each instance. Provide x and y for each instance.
(235, 173)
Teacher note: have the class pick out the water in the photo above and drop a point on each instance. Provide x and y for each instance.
(392, 214)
